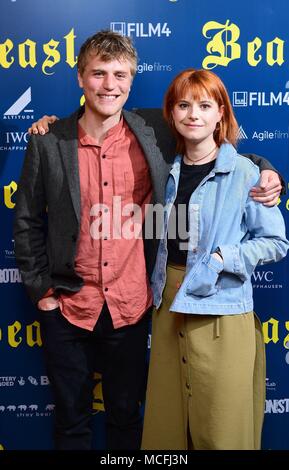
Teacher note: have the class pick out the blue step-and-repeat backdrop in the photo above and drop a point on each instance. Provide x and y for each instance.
(246, 43)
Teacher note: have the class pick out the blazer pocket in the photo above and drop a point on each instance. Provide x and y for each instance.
(203, 281)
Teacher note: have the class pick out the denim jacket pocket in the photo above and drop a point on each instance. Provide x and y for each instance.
(204, 279)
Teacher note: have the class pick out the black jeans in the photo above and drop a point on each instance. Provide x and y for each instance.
(70, 354)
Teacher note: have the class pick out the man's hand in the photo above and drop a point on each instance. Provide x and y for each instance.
(42, 125)
(48, 303)
(269, 188)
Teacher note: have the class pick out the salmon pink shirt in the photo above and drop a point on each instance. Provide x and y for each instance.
(115, 186)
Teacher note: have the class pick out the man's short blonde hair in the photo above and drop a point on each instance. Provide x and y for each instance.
(108, 46)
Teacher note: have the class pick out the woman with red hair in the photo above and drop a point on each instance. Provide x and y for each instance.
(206, 386)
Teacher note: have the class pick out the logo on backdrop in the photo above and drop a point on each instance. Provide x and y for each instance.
(17, 333)
(241, 133)
(153, 67)
(9, 192)
(28, 411)
(242, 99)
(14, 141)
(277, 406)
(265, 280)
(270, 385)
(270, 134)
(11, 381)
(141, 30)
(10, 276)
(9, 253)
(19, 109)
(265, 134)
(224, 47)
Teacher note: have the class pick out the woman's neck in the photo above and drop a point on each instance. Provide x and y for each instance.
(200, 154)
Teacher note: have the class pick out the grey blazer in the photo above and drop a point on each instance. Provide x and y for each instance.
(47, 215)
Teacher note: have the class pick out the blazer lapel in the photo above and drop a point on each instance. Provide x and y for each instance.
(159, 169)
(68, 145)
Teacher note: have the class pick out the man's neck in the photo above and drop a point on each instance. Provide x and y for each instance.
(98, 126)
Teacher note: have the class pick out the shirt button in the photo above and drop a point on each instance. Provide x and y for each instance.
(105, 183)
(105, 238)
(188, 385)
(105, 289)
(184, 360)
(103, 156)
(106, 210)
(105, 263)
(181, 334)
(194, 250)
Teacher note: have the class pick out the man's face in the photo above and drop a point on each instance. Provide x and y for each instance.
(106, 86)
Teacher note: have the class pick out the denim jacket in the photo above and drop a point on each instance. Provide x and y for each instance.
(222, 216)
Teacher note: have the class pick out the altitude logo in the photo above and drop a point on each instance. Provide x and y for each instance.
(140, 30)
(19, 110)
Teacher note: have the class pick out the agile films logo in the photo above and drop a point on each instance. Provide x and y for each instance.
(262, 135)
(242, 134)
(18, 110)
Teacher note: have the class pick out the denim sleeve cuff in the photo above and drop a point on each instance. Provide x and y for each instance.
(215, 264)
(231, 259)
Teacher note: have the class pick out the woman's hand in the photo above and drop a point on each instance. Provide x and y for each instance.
(42, 125)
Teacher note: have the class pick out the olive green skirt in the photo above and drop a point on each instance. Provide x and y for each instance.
(206, 384)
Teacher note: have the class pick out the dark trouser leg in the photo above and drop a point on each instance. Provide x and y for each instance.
(68, 354)
(124, 353)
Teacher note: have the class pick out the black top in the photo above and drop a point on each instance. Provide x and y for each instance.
(178, 230)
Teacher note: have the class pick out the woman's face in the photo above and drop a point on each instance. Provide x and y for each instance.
(196, 120)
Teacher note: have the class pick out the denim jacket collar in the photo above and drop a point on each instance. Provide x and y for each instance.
(225, 163)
